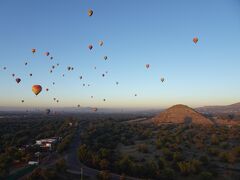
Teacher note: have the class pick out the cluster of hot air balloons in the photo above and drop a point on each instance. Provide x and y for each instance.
(37, 89)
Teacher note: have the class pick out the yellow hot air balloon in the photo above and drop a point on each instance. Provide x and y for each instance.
(90, 12)
(36, 89)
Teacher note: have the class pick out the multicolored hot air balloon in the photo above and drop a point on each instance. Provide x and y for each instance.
(33, 51)
(36, 89)
(195, 40)
(90, 12)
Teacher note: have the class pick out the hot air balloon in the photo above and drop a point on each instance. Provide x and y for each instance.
(195, 40)
(162, 79)
(105, 58)
(103, 75)
(18, 80)
(22, 101)
(47, 89)
(101, 43)
(53, 67)
(33, 51)
(94, 109)
(78, 105)
(54, 99)
(53, 83)
(80, 77)
(147, 66)
(30, 74)
(135, 95)
(47, 53)
(69, 68)
(90, 12)
(90, 47)
(57, 64)
(26, 63)
(72, 68)
(104, 99)
(51, 57)
(63, 75)
(36, 89)
(4, 68)
(117, 83)
(13, 75)
(57, 101)
(48, 111)
(51, 71)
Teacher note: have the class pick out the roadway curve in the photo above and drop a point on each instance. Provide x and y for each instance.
(74, 165)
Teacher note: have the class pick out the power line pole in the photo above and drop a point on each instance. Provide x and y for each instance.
(81, 173)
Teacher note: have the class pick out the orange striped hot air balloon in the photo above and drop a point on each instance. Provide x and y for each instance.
(36, 89)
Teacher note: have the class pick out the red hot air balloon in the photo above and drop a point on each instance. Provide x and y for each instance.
(195, 40)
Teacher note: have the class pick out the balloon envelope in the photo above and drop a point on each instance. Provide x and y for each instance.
(195, 40)
(36, 89)
(90, 12)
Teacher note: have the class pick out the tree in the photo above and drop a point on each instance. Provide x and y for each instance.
(61, 165)
(104, 164)
(83, 153)
(205, 175)
(104, 175)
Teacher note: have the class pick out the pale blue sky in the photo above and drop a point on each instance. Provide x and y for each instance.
(135, 33)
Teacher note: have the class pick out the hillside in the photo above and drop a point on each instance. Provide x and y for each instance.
(180, 114)
(233, 108)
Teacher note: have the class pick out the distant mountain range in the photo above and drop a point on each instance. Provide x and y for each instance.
(229, 109)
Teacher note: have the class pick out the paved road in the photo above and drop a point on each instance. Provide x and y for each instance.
(74, 165)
